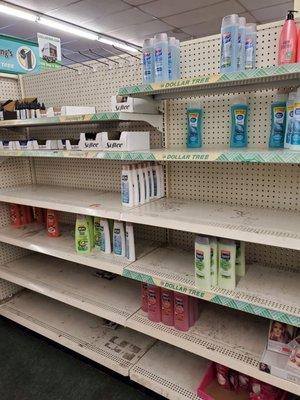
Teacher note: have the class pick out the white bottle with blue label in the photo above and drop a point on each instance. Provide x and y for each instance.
(148, 61)
(161, 70)
(241, 44)
(295, 137)
(239, 122)
(127, 190)
(229, 43)
(250, 46)
(172, 58)
(289, 119)
(119, 239)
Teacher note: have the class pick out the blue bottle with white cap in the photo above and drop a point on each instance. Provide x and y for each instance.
(161, 70)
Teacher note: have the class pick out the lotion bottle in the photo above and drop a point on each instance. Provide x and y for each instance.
(287, 53)
(154, 303)
(119, 239)
(52, 224)
(105, 242)
(129, 242)
(127, 186)
(167, 307)
(181, 311)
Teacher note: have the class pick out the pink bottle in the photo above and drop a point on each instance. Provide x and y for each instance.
(154, 304)
(181, 311)
(192, 310)
(144, 293)
(298, 49)
(288, 41)
(167, 307)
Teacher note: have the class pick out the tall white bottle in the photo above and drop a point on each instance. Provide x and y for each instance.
(135, 182)
(229, 42)
(172, 58)
(141, 183)
(129, 242)
(162, 180)
(146, 181)
(105, 243)
(151, 182)
(127, 186)
(289, 120)
(119, 239)
(241, 44)
(161, 57)
(148, 61)
(295, 137)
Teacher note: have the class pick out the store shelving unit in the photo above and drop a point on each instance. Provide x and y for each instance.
(206, 193)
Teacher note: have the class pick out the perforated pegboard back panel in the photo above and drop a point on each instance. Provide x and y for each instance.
(9, 88)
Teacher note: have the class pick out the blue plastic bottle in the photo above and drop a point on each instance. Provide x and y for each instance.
(278, 121)
(229, 43)
(194, 127)
(161, 69)
(148, 61)
(250, 46)
(239, 122)
(241, 44)
(172, 59)
(295, 137)
(289, 119)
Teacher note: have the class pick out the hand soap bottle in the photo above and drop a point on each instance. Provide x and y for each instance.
(288, 40)
(239, 122)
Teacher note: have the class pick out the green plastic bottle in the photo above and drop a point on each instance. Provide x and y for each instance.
(82, 235)
(97, 233)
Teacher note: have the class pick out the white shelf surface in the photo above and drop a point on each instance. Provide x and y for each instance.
(34, 237)
(116, 299)
(258, 225)
(236, 340)
(170, 372)
(82, 332)
(257, 292)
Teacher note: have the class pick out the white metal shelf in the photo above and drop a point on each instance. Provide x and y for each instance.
(154, 371)
(256, 293)
(116, 299)
(258, 225)
(82, 332)
(236, 340)
(34, 237)
(205, 154)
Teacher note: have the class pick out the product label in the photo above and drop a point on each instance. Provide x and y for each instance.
(125, 189)
(193, 120)
(225, 264)
(287, 50)
(199, 264)
(295, 137)
(289, 123)
(126, 245)
(147, 61)
(278, 125)
(154, 182)
(226, 49)
(249, 53)
(239, 137)
(158, 61)
(102, 238)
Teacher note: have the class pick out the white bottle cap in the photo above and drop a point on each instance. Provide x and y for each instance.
(172, 40)
(160, 37)
(230, 19)
(242, 21)
(251, 27)
(239, 99)
(148, 42)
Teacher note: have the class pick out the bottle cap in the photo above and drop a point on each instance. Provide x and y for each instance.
(242, 21)
(251, 27)
(230, 19)
(239, 99)
(172, 40)
(290, 14)
(161, 37)
(148, 42)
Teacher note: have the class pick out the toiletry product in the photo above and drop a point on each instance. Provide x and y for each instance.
(23, 215)
(295, 137)
(240, 263)
(148, 61)
(192, 316)
(119, 239)
(239, 121)
(222, 373)
(280, 335)
(227, 258)
(202, 263)
(172, 58)
(162, 180)
(278, 120)
(161, 57)
(241, 44)
(181, 311)
(129, 242)
(298, 47)
(289, 126)
(82, 234)
(229, 43)
(39, 215)
(288, 40)
(213, 261)
(154, 303)
(52, 224)
(127, 186)
(194, 127)
(144, 294)
(250, 46)
(90, 221)
(29, 215)
(135, 183)
(141, 183)
(15, 215)
(167, 307)
(178, 68)
(105, 239)
(150, 179)
(97, 233)
(146, 181)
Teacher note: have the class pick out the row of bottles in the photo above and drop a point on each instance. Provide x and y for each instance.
(29, 110)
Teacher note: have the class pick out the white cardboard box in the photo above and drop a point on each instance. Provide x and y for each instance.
(276, 364)
(77, 110)
(126, 141)
(90, 141)
(133, 105)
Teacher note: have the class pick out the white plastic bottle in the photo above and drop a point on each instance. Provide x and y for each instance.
(156, 180)
(146, 182)
(135, 182)
(148, 61)
(162, 180)
(119, 239)
(161, 57)
(178, 70)
(289, 119)
(241, 44)
(295, 137)
(141, 183)
(129, 242)
(151, 182)
(229, 45)
(250, 46)
(127, 186)
(105, 243)
(172, 58)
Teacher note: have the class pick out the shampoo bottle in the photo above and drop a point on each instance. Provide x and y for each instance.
(161, 57)
(239, 122)
(288, 41)
(250, 46)
(227, 260)
(289, 119)
(82, 235)
(151, 181)
(213, 260)
(105, 242)
(295, 137)
(90, 221)
(136, 188)
(97, 233)
(202, 263)
(194, 127)
(52, 224)
(181, 311)
(278, 120)
(129, 242)
(144, 294)
(146, 182)
(167, 307)
(154, 303)
(141, 183)
(148, 61)
(119, 239)
(127, 186)
(229, 43)
(241, 44)
(172, 58)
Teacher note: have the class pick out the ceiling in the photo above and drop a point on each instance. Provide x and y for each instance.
(134, 20)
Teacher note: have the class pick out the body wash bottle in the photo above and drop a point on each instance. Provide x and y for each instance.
(167, 307)
(295, 137)
(227, 260)
(119, 239)
(129, 242)
(181, 311)
(278, 120)
(250, 46)
(239, 122)
(202, 262)
(154, 303)
(241, 44)
(229, 43)
(194, 127)
(161, 57)
(97, 233)
(105, 242)
(289, 119)
(82, 235)
(148, 61)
